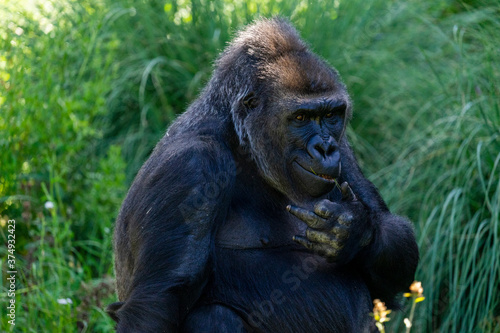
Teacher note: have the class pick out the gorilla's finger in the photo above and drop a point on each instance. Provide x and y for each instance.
(324, 238)
(345, 219)
(341, 232)
(310, 218)
(318, 236)
(347, 193)
(320, 249)
(326, 209)
(303, 241)
(331, 255)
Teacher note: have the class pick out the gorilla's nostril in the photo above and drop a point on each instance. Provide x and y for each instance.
(321, 149)
(330, 149)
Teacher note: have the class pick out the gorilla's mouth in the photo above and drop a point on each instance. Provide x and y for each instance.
(327, 177)
(319, 176)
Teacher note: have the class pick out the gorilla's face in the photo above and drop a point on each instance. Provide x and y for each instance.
(303, 159)
(296, 143)
(295, 131)
(314, 129)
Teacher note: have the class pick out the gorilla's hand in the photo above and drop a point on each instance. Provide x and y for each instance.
(336, 231)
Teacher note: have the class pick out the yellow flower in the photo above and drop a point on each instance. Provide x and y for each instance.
(380, 311)
(416, 291)
(416, 288)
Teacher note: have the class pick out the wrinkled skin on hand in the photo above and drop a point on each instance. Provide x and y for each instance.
(335, 230)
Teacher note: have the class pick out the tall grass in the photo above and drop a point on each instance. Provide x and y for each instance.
(104, 82)
(56, 67)
(440, 97)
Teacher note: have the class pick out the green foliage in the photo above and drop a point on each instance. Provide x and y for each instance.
(436, 121)
(87, 85)
(55, 72)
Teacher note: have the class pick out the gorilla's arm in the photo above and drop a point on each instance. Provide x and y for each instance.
(164, 231)
(390, 260)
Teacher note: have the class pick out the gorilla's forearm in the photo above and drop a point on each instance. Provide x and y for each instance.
(389, 262)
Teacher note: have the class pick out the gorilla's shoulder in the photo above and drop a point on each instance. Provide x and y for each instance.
(200, 156)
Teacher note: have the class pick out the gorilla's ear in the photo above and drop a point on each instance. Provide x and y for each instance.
(239, 111)
(250, 101)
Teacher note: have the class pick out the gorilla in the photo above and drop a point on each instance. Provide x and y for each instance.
(252, 214)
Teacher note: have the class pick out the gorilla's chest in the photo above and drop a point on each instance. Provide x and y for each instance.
(250, 228)
(277, 285)
(286, 289)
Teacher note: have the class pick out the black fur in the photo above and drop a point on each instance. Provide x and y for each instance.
(203, 241)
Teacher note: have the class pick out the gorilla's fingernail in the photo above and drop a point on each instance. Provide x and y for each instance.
(288, 208)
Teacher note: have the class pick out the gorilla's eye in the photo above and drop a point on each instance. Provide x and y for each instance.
(329, 115)
(300, 117)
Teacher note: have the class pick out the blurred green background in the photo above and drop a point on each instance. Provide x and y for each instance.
(88, 87)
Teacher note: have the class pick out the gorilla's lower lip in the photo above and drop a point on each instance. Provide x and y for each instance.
(323, 177)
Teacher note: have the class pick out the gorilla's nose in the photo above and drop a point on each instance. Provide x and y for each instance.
(321, 149)
(325, 156)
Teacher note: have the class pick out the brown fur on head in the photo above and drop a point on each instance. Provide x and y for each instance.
(270, 38)
(278, 56)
